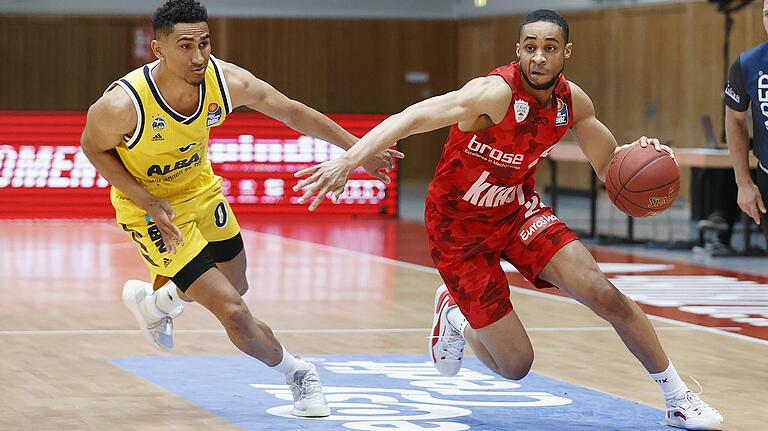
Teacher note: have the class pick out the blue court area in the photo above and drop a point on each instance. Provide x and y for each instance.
(391, 392)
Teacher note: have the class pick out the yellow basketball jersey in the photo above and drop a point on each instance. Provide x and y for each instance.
(168, 151)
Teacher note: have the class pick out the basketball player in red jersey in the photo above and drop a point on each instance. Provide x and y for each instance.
(482, 207)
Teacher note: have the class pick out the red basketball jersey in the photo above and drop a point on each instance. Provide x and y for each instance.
(488, 175)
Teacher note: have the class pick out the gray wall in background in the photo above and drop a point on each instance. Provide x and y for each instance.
(380, 9)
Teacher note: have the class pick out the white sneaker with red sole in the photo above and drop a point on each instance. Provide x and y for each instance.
(446, 343)
(689, 412)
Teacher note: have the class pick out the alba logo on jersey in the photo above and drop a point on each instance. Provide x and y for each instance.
(485, 152)
(166, 169)
(214, 114)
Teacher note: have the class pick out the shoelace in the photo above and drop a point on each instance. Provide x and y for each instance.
(308, 385)
(694, 399)
(454, 343)
(166, 323)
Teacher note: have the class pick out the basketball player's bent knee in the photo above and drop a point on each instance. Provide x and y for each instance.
(515, 368)
(236, 316)
(610, 304)
(242, 287)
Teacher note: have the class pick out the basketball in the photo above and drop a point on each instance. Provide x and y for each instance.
(641, 181)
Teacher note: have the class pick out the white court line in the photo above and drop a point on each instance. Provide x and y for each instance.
(516, 289)
(329, 330)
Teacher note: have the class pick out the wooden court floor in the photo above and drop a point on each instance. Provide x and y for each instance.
(327, 287)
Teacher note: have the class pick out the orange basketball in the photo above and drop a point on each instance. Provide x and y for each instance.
(642, 181)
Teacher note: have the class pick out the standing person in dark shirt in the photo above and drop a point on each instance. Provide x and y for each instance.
(748, 84)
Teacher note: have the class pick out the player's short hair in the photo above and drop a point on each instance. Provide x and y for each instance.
(546, 15)
(176, 11)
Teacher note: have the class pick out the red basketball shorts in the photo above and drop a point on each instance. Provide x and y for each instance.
(468, 256)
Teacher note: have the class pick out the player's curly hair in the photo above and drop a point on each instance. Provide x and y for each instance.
(546, 15)
(176, 11)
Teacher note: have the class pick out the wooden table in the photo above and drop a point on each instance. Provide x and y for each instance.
(686, 157)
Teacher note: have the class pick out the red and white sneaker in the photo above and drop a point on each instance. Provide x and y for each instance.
(689, 412)
(446, 343)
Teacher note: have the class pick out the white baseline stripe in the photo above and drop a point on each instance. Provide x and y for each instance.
(329, 330)
(431, 270)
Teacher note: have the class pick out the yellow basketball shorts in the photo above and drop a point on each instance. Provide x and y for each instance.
(207, 217)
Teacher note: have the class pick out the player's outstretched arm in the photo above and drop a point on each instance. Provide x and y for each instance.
(482, 96)
(109, 119)
(594, 138)
(247, 90)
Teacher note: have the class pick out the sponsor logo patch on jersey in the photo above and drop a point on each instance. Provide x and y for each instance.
(186, 148)
(214, 114)
(158, 124)
(494, 155)
(521, 110)
(732, 94)
(179, 164)
(484, 194)
(536, 225)
(158, 137)
(562, 113)
(762, 96)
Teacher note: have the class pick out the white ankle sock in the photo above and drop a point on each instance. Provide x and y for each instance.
(670, 382)
(456, 319)
(167, 298)
(150, 307)
(289, 364)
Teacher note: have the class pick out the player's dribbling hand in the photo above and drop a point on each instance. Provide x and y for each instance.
(163, 214)
(644, 141)
(330, 176)
(378, 165)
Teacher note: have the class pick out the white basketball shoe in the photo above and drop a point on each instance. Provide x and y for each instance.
(159, 332)
(689, 412)
(308, 398)
(446, 343)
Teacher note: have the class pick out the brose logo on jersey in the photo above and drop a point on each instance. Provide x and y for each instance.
(214, 114)
(166, 169)
(498, 157)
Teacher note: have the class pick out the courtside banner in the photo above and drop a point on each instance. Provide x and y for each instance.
(44, 173)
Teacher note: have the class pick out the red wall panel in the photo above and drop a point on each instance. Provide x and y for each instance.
(44, 174)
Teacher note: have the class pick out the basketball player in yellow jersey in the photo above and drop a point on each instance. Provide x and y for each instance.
(148, 136)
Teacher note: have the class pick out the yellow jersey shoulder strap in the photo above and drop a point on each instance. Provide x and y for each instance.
(131, 84)
(222, 84)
